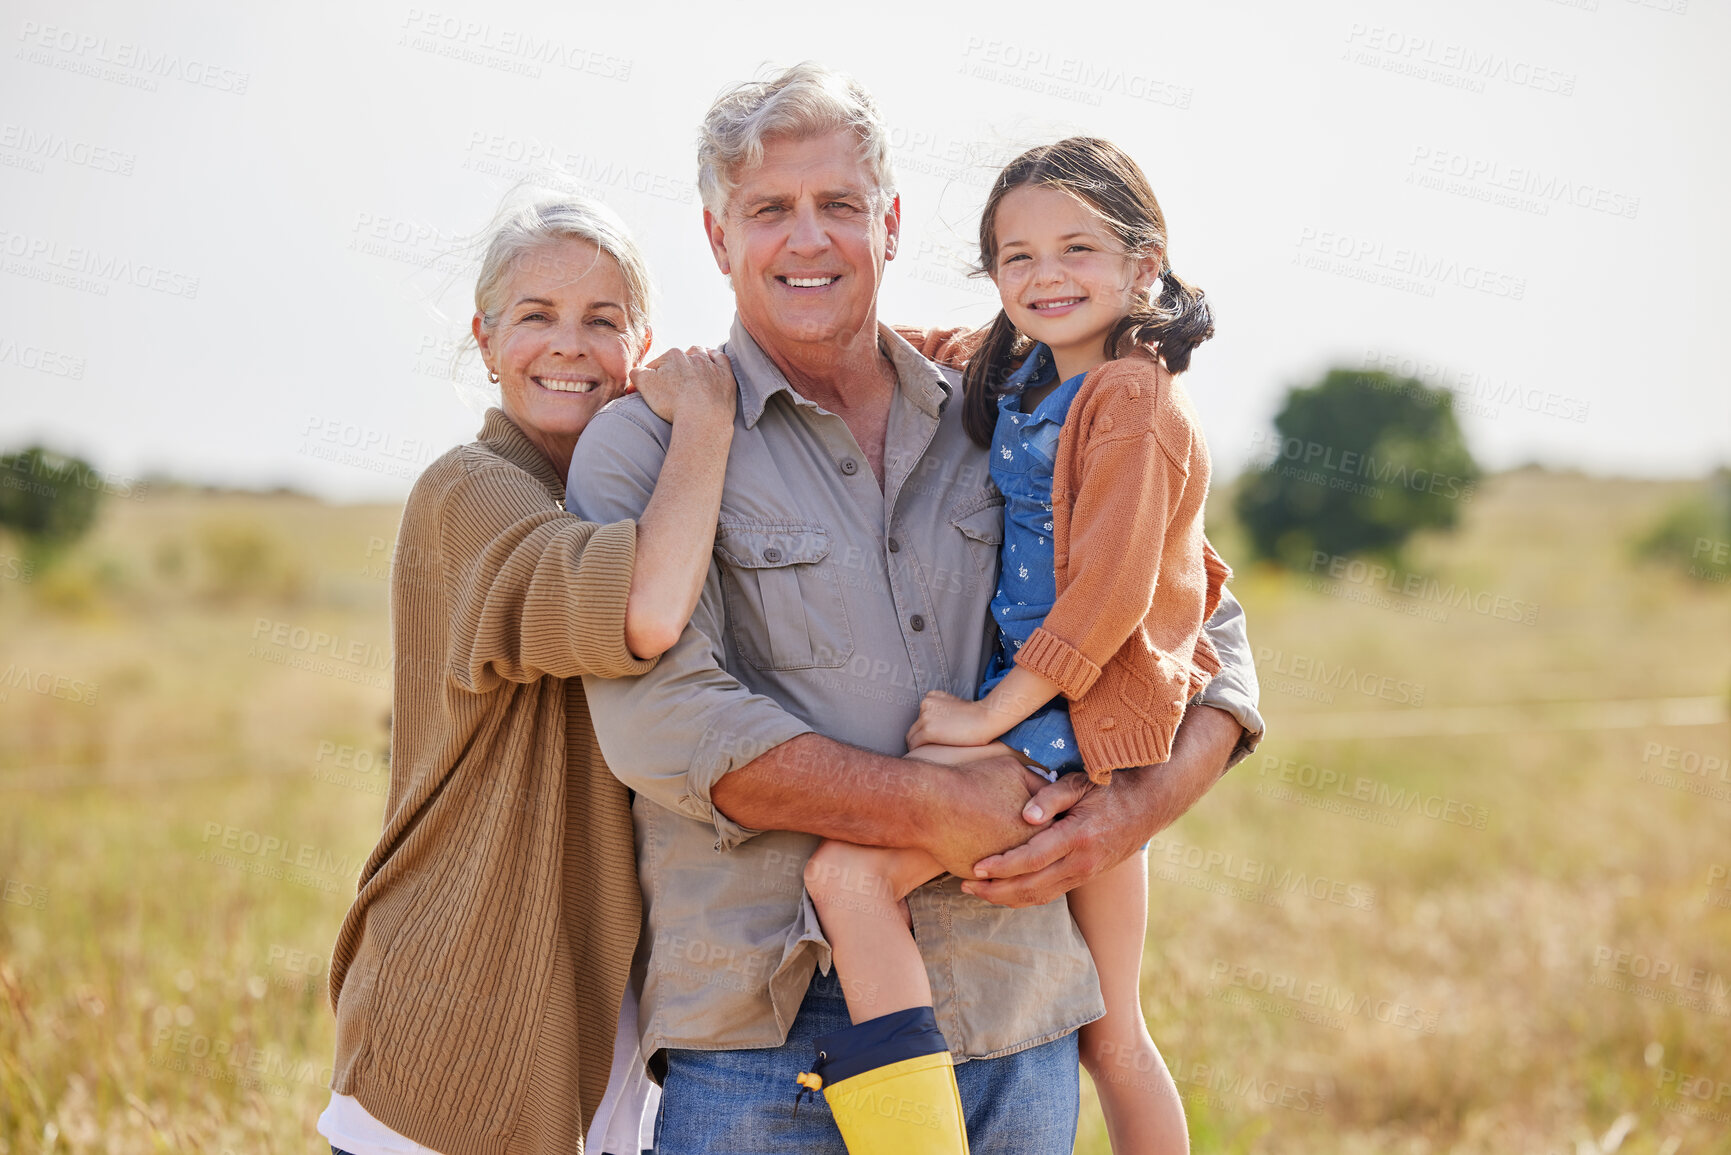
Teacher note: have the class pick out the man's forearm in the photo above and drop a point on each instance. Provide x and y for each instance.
(1162, 794)
(817, 785)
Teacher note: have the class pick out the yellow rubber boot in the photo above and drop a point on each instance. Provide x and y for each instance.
(891, 1086)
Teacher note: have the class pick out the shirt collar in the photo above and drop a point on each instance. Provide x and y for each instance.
(918, 379)
(1035, 368)
(501, 435)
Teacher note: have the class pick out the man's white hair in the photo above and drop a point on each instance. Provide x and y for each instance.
(806, 100)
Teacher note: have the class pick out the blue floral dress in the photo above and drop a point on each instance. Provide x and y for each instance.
(1024, 451)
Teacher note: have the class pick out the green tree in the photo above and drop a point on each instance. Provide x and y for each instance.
(48, 499)
(1358, 463)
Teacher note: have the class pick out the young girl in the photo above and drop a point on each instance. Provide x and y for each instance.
(1104, 586)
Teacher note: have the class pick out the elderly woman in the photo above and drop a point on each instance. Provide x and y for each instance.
(478, 977)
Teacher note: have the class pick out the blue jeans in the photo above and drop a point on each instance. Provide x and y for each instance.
(741, 1102)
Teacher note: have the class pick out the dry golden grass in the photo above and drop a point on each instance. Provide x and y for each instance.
(164, 994)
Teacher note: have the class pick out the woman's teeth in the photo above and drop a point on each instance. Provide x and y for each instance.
(562, 385)
(810, 282)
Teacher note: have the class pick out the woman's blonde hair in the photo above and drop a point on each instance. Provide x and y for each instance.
(534, 216)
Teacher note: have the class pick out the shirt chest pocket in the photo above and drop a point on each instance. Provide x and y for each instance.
(783, 597)
(980, 520)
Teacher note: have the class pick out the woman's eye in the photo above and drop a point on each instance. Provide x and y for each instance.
(604, 321)
(532, 317)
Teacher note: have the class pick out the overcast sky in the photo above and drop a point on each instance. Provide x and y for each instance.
(218, 218)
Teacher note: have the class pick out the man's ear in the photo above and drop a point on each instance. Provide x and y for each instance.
(716, 235)
(893, 227)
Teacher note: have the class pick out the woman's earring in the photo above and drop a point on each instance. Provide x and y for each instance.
(492, 377)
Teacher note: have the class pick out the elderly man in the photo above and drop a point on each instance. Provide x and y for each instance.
(855, 560)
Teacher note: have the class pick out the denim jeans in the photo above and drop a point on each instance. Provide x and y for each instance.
(737, 1102)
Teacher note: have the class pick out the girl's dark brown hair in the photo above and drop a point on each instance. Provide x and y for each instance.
(1103, 177)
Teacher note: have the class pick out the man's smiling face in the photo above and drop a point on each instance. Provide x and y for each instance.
(804, 238)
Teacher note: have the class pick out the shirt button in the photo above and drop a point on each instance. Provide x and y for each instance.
(895, 546)
(772, 555)
(849, 466)
(917, 622)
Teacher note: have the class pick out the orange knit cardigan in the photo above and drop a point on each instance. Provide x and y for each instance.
(1136, 578)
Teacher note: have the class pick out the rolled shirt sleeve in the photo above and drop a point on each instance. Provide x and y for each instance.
(669, 734)
(1234, 689)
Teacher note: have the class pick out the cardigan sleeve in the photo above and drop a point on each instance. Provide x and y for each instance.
(950, 348)
(1131, 483)
(532, 591)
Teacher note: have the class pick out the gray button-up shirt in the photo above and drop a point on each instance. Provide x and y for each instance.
(831, 606)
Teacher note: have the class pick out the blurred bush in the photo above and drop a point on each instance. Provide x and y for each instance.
(1358, 463)
(240, 560)
(1695, 534)
(47, 499)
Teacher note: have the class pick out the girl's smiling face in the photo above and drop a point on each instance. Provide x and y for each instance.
(1064, 279)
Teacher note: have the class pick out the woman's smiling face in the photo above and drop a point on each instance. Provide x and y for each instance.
(562, 345)
(1064, 279)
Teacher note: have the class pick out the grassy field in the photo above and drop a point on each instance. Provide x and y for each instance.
(1471, 895)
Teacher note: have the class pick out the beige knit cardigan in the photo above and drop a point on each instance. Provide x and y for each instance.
(477, 978)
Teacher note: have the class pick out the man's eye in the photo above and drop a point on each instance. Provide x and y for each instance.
(768, 209)
(839, 205)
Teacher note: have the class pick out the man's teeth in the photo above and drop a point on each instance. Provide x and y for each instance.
(559, 385)
(811, 282)
(1055, 304)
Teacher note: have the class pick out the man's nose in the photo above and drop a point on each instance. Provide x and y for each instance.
(809, 234)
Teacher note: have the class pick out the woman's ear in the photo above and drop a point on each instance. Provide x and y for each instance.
(643, 346)
(483, 339)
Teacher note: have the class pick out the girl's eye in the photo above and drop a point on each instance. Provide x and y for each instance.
(1081, 249)
(1015, 257)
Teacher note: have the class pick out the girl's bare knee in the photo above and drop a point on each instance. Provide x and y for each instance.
(825, 868)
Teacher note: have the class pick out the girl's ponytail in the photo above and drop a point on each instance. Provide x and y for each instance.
(1177, 320)
(987, 370)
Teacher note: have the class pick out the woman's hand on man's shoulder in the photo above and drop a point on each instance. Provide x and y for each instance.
(683, 384)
